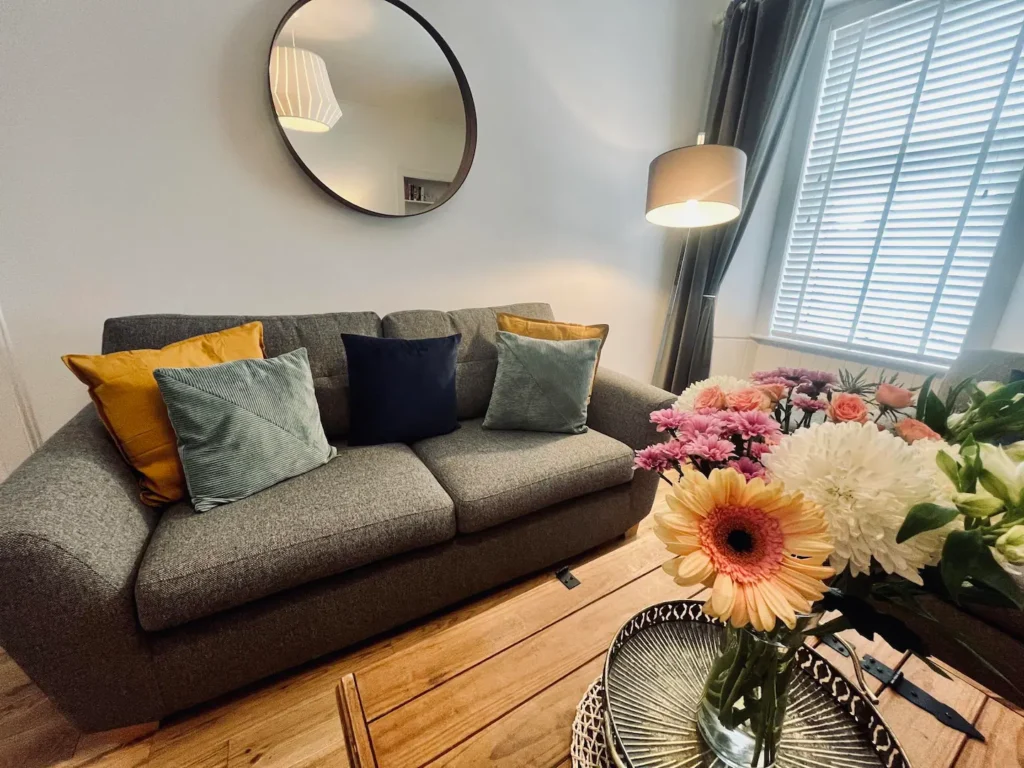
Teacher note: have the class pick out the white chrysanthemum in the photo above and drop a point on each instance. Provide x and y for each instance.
(930, 449)
(726, 383)
(866, 481)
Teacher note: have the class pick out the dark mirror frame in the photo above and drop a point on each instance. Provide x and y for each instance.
(467, 103)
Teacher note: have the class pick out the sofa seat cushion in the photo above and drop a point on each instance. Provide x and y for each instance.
(495, 476)
(367, 504)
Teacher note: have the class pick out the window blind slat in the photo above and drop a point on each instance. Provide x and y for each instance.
(915, 154)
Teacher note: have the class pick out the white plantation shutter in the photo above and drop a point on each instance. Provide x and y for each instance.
(916, 150)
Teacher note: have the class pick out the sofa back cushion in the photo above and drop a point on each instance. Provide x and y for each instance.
(478, 353)
(319, 334)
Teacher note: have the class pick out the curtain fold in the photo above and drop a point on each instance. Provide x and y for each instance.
(764, 50)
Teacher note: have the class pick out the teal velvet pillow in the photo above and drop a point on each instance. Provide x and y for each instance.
(542, 385)
(244, 426)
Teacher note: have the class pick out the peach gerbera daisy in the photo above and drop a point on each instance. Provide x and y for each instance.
(760, 549)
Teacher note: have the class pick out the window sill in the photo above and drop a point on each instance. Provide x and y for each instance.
(867, 358)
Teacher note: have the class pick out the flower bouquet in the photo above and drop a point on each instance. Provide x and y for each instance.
(798, 493)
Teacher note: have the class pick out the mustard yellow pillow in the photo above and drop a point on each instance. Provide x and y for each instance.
(553, 331)
(128, 400)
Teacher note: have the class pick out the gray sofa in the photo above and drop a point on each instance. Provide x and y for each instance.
(123, 614)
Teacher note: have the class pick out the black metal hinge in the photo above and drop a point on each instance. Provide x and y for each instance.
(565, 576)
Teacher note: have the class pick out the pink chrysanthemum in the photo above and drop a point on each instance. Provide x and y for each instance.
(669, 419)
(710, 448)
(769, 377)
(653, 458)
(807, 403)
(748, 468)
(748, 424)
(757, 450)
(711, 424)
(817, 377)
(675, 450)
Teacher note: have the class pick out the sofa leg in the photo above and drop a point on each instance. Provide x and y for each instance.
(631, 533)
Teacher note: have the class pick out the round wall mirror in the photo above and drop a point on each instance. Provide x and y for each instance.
(372, 104)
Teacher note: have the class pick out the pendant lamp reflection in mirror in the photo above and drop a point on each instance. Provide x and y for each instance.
(301, 89)
(698, 186)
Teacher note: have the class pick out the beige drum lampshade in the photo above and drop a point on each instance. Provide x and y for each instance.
(303, 97)
(696, 186)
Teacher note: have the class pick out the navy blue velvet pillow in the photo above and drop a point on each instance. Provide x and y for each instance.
(400, 390)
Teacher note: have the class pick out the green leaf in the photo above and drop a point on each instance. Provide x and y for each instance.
(949, 467)
(957, 554)
(996, 487)
(954, 393)
(965, 555)
(922, 398)
(976, 395)
(972, 465)
(924, 517)
(935, 413)
(838, 624)
(1002, 398)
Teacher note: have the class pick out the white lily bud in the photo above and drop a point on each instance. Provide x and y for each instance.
(977, 504)
(1011, 545)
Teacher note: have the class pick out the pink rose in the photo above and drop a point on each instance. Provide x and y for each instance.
(894, 397)
(847, 407)
(748, 399)
(710, 397)
(913, 430)
(774, 391)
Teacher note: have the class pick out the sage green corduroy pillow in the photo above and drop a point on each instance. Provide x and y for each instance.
(542, 385)
(244, 426)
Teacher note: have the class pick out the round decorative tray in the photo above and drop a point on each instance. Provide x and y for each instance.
(653, 679)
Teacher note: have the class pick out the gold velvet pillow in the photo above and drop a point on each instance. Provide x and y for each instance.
(128, 400)
(553, 331)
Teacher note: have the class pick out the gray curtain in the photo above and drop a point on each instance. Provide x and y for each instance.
(764, 50)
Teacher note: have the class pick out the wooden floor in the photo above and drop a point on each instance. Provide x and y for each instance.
(495, 682)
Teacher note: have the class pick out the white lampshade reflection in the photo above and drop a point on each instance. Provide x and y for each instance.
(303, 97)
(697, 186)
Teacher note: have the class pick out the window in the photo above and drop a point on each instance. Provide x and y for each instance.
(915, 153)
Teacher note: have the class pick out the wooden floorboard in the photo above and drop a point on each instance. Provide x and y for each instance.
(353, 721)
(438, 658)
(536, 734)
(423, 728)
(1004, 734)
(928, 743)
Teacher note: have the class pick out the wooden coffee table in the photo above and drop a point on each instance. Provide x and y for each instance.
(499, 685)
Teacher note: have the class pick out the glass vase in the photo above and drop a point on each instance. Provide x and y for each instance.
(743, 707)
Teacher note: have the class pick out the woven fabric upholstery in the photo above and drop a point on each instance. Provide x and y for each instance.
(542, 385)
(495, 476)
(319, 334)
(367, 504)
(981, 365)
(478, 355)
(72, 532)
(244, 426)
(621, 408)
(205, 658)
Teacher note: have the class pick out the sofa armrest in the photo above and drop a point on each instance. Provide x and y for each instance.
(72, 534)
(620, 407)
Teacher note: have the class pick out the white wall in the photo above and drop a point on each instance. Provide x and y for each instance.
(141, 172)
(1010, 333)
